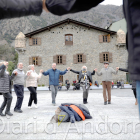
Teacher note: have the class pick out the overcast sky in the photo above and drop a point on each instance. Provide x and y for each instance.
(113, 2)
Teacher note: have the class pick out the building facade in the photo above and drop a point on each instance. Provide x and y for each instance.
(70, 43)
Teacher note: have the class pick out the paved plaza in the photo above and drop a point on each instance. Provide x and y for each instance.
(118, 121)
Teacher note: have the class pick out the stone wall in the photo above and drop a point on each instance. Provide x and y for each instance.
(84, 41)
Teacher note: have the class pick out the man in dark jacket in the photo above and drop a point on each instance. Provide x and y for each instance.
(54, 79)
(19, 8)
(85, 78)
(5, 88)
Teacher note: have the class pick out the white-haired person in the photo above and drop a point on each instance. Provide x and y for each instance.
(6, 88)
(85, 80)
(31, 84)
(106, 74)
(54, 80)
(18, 83)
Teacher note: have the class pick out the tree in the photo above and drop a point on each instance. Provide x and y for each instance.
(11, 67)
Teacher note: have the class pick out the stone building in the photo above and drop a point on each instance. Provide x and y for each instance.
(71, 43)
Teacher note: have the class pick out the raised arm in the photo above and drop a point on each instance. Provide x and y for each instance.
(93, 73)
(13, 76)
(62, 7)
(74, 71)
(45, 73)
(125, 70)
(114, 71)
(39, 76)
(98, 73)
(19, 8)
(63, 72)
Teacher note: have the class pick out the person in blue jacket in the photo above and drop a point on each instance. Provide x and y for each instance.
(54, 79)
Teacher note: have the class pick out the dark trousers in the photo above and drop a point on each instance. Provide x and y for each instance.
(135, 93)
(33, 95)
(19, 90)
(7, 101)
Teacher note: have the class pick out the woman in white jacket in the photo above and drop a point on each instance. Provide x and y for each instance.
(31, 84)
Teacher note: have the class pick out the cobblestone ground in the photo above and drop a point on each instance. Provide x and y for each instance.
(118, 121)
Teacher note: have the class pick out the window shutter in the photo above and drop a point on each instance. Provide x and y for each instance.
(30, 60)
(101, 57)
(39, 41)
(84, 58)
(64, 59)
(55, 59)
(30, 41)
(110, 58)
(75, 59)
(39, 61)
(108, 38)
(100, 38)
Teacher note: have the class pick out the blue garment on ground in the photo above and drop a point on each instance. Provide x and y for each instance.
(71, 114)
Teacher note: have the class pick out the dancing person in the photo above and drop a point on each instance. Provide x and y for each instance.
(118, 84)
(85, 78)
(54, 80)
(67, 84)
(133, 84)
(18, 83)
(6, 88)
(20, 8)
(31, 84)
(106, 73)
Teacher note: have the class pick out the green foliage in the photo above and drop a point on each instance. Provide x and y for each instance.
(11, 67)
(39, 85)
(43, 85)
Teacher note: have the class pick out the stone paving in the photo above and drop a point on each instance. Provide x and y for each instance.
(118, 121)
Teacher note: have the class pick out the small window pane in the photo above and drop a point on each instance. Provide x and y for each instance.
(67, 38)
(70, 37)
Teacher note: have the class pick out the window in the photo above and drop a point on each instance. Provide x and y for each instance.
(68, 39)
(59, 59)
(105, 38)
(105, 57)
(80, 58)
(35, 60)
(34, 41)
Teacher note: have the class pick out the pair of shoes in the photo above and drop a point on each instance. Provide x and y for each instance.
(105, 103)
(18, 110)
(35, 106)
(1, 114)
(8, 113)
(109, 102)
(29, 107)
(85, 101)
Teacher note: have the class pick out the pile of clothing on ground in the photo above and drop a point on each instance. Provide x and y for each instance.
(69, 112)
